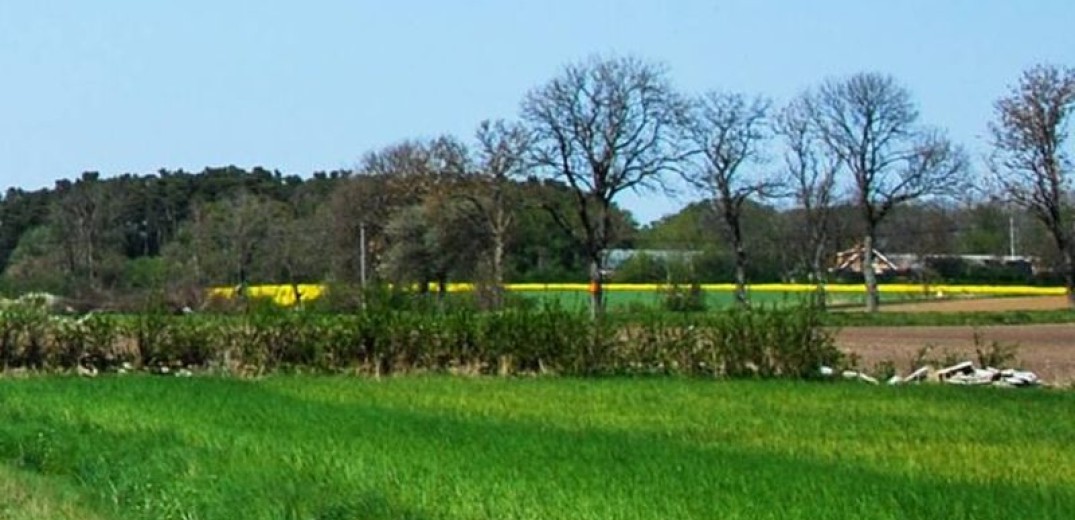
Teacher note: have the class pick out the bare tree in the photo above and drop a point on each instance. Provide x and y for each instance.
(870, 123)
(500, 159)
(602, 126)
(416, 169)
(396, 176)
(811, 177)
(726, 132)
(1029, 161)
(360, 205)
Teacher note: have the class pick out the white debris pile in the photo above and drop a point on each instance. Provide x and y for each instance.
(964, 373)
(861, 376)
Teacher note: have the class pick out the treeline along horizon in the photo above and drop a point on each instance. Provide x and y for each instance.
(775, 192)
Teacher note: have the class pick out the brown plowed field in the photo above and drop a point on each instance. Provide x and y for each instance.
(1048, 350)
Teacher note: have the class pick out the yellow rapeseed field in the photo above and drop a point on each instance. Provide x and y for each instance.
(284, 294)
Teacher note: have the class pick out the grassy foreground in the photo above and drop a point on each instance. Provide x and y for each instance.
(439, 447)
(25, 496)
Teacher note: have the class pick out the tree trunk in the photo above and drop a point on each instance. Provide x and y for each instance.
(740, 274)
(868, 275)
(296, 293)
(91, 267)
(817, 266)
(498, 270)
(597, 289)
(1069, 276)
(1063, 244)
(731, 213)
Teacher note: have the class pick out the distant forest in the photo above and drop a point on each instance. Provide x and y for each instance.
(224, 226)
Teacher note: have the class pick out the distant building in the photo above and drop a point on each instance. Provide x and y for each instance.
(616, 258)
(850, 261)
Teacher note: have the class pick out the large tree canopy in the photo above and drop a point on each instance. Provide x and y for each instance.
(602, 127)
(1030, 164)
(870, 123)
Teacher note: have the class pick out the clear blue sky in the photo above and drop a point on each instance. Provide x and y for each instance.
(132, 86)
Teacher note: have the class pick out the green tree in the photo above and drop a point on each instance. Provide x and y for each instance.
(228, 241)
(431, 242)
(37, 263)
(20, 212)
(85, 214)
(538, 250)
(293, 253)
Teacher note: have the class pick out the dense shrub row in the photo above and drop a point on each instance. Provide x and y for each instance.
(758, 342)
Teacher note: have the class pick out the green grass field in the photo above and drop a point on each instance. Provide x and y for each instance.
(626, 299)
(447, 448)
(714, 299)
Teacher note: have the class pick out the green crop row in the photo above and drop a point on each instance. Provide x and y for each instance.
(766, 342)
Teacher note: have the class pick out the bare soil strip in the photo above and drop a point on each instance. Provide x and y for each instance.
(1022, 303)
(1048, 350)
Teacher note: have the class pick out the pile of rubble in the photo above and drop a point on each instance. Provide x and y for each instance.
(85, 370)
(964, 373)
